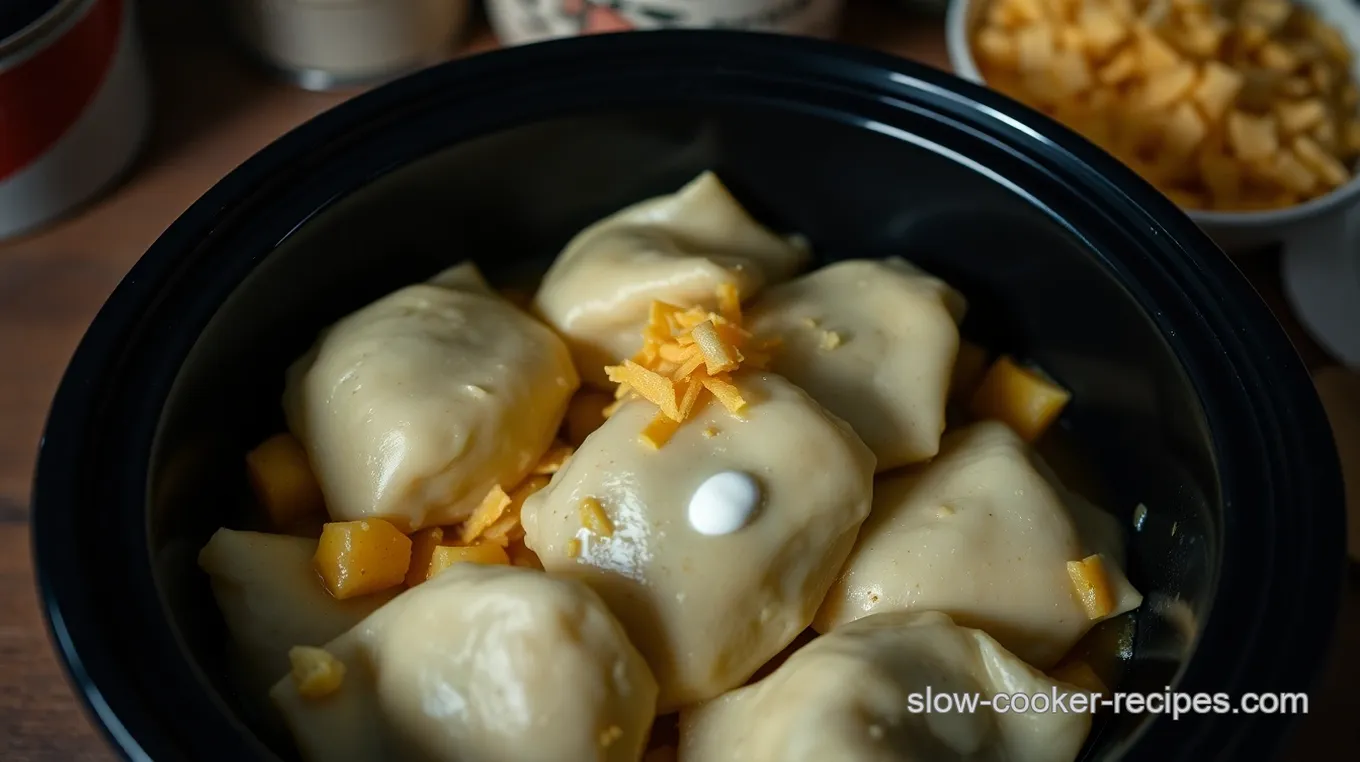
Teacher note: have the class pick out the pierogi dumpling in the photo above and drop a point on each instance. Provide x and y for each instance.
(874, 342)
(708, 609)
(848, 696)
(414, 407)
(980, 534)
(480, 664)
(271, 598)
(676, 249)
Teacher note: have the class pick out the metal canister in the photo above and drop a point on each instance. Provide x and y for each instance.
(522, 21)
(332, 44)
(74, 105)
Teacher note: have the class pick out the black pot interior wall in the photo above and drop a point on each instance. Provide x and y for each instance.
(509, 201)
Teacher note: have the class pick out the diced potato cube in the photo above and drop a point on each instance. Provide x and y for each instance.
(1330, 171)
(1266, 15)
(1071, 40)
(1251, 36)
(1324, 132)
(1101, 29)
(1020, 398)
(1204, 38)
(1217, 89)
(1091, 584)
(1349, 97)
(996, 48)
(1034, 48)
(1299, 116)
(1292, 174)
(1322, 76)
(1220, 175)
(1296, 87)
(1071, 73)
(1120, 69)
(1252, 138)
(316, 672)
(448, 555)
(1184, 131)
(360, 557)
(1167, 86)
(1277, 57)
(283, 481)
(1350, 136)
(423, 544)
(1153, 52)
(1028, 11)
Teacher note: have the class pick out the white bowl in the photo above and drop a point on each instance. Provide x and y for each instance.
(1320, 238)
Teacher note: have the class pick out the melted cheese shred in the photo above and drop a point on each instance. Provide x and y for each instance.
(688, 356)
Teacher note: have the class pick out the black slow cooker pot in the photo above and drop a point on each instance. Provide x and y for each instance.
(1188, 397)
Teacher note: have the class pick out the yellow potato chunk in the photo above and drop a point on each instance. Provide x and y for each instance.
(483, 553)
(316, 672)
(283, 482)
(1020, 398)
(423, 544)
(360, 557)
(1218, 87)
(1092, 586)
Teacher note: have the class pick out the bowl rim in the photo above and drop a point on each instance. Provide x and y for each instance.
(959, 48)
(1259, 374)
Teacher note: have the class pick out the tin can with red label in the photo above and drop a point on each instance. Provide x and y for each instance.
(74, 105)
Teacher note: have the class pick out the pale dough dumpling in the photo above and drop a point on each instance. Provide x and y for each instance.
(677, 249)
(980, 534)
(480, 664)
(874, 341)
(414, 407)
(848, 697)
(708, 610)
(272, 599)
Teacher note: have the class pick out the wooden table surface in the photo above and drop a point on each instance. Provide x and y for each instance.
(212, 113)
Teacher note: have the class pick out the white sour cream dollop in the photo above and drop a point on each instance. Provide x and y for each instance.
(724, 503)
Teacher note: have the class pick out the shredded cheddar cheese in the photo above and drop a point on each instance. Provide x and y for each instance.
(687, 356)
(573, 548)
(492, 507)
(594, 518)
(1092, 586)
(316, 672)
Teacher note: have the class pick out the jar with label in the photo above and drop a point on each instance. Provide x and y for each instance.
(328, 44)
(74, 105)
(522, 21)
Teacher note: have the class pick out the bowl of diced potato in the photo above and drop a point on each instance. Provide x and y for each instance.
(1246, 113)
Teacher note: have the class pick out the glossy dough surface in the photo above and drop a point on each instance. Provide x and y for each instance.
(845, 696)
(677, 248)
(873, 341)
(707, 611)
(981, 534)
(272, 600)
(481, 664)
(415, 406)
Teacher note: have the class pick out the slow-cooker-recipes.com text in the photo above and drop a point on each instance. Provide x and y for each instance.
(686, 499)
(1058, 701)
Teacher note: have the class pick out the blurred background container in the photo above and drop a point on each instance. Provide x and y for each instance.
(327, 44)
